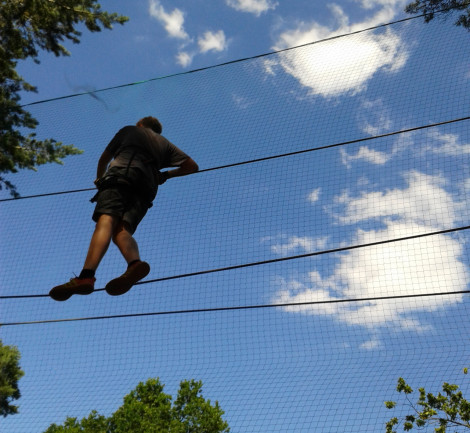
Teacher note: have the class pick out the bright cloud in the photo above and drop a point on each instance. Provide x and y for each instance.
(370, 4)
(374, 117)
(285, 245)
(419, 266)
(184, 59)
(431, 142)
(365, 154)
(425, 201)
(314, 196)
(173, 21)
(408, 267)
(340, 65)
(256, 7)
(448, 144)
(211, 41)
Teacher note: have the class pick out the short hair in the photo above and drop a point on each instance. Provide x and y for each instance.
(151, 122)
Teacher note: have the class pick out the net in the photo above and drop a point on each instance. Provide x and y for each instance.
(319, 254)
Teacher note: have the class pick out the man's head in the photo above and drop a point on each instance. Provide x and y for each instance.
(151, 122)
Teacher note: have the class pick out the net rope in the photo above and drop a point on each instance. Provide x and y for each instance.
(320, 253)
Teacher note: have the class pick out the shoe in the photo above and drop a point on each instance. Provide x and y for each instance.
(76, 286)
(122, 284)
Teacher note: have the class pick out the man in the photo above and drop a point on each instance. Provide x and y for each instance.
(125, 192)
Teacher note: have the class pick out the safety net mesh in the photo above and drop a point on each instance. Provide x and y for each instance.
(320, 253)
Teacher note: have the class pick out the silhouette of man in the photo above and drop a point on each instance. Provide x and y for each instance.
(126, 190)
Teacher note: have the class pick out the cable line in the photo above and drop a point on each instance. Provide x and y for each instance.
(265, 262)
(244, 59)
(235, 308)
(267, 158)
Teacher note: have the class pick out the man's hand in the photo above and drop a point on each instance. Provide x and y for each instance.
(188, 166)
(98, 182)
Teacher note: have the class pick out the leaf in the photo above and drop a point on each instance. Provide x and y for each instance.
(26, 28)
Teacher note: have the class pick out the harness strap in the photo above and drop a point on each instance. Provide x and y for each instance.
(121, 179)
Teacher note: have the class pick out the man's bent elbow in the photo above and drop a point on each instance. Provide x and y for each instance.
(190, 166)
(195, 167)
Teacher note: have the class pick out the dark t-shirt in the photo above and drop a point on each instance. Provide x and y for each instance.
(146, 150)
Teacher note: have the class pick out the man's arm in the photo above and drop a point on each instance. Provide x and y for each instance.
(189, 166)
(103, 162)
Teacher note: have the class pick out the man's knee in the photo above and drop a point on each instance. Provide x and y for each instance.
(106, 222)
(107, 219)
(122, 228)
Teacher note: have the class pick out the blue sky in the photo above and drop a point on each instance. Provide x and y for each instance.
(323, 367)
(165, 38)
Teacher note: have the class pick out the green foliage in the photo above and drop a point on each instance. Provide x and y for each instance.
(443, 411)
(192, 413)
(147, 409)
(10, 374)
(95, 423)
(26, 28)
(430, 7)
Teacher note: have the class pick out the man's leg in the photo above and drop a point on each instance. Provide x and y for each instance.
(84, 283)
(100, 241)
(136, 269)
(127, 245)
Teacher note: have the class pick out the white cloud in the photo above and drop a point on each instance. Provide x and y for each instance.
(425, 201)
(256, 7)
(448, 144)
(211, 41)
(370, 4)
(184, 58)
(269, 66)
(374, 117)
(371, 344)
(466, 186)
(409, 267)
(365, 154)
(286, 245)
(418, 266)
(341, 65)
(242, 102)
(314, 196)
(173, 21)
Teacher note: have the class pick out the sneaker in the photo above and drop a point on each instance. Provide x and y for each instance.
(76, 286)
(122, 284)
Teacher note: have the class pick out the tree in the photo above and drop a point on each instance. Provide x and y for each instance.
(10, 374)
(430, 7)
(147, 409)
(447, 410)
(26, 27)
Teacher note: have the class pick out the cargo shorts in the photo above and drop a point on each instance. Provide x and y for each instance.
(122, 200)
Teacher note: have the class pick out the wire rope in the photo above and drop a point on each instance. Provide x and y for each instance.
(265, 262)
(234, 308)
(267, 158)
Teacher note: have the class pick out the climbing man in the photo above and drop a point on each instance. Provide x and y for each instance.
(126, 190)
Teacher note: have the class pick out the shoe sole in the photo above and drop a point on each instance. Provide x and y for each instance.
(58, 296)
(64, 294)
(123, 284)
